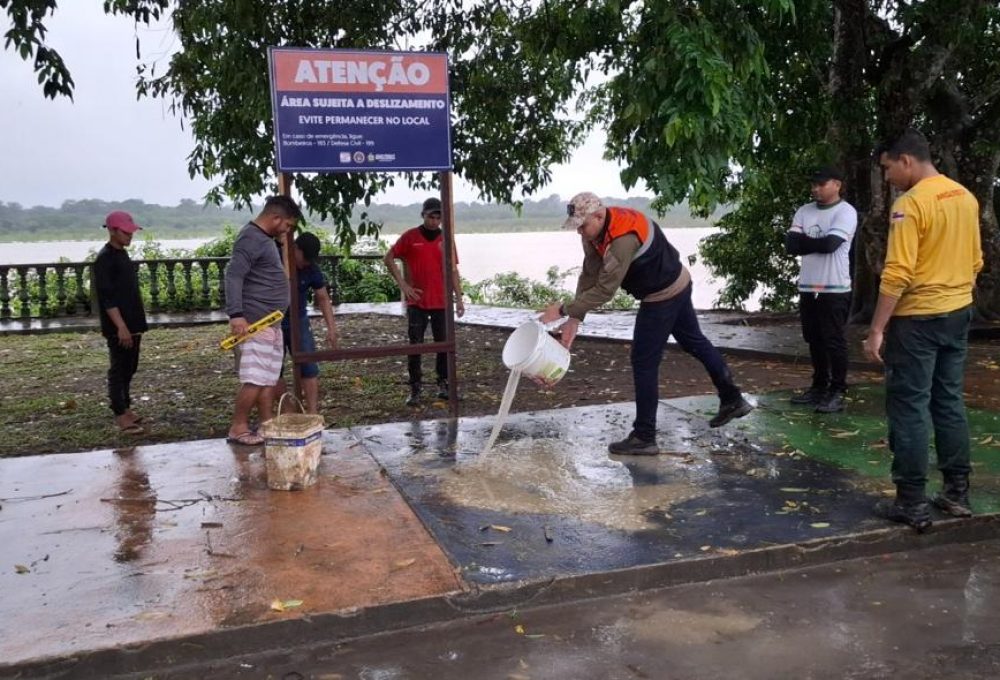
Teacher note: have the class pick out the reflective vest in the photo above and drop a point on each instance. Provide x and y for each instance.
(656, 264)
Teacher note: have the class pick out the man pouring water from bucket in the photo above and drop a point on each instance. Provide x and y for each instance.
(625, 249)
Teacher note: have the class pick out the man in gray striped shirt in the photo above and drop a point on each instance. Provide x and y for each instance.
(257, 285)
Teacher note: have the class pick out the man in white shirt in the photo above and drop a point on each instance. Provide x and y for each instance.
(821, 234)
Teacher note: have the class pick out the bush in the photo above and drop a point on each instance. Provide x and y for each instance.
(510, 289)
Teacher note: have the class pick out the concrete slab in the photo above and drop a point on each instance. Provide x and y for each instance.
(111, 548)
(549, 502)
(854, 441)
(165, 549)
(921, 615)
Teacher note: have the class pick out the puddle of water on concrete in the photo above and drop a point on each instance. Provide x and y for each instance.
(508, 398)
(685, 627)
(557, 477)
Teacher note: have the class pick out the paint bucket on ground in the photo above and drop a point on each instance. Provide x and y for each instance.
(532, 351)
(293, 443)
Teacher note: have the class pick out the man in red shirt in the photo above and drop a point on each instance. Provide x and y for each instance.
(422, 250)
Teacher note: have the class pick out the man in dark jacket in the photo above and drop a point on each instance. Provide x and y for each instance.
(625, 249)
(123, 319)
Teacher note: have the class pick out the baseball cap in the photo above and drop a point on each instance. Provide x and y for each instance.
(431, 205)
(824, 173)
(579, 207)
(121, 221)
(309, 244)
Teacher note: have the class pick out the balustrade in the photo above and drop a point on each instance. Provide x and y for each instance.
(64, 288)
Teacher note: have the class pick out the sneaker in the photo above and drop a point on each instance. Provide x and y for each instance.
(832, 402)
(810, 397)
(953, 499)
(633, 446)
(917, 514)
(730, 410)
(414, 398)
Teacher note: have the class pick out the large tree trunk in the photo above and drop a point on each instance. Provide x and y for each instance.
(869, 245)
(849, 94)
(978, 174)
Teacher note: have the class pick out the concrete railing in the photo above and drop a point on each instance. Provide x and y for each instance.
(49, 290)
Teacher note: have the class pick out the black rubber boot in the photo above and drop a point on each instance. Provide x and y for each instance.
(953, 499)
(832, 402)
(810, 397)
(414, 397)
(909, 507)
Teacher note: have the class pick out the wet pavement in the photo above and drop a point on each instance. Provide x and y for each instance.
(920, 615)
(111, 548)
(183, 550)
(548, 501)
(130, 560)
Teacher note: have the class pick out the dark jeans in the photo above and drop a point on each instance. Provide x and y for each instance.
(124, 362)
(307, 343)
(824, 316)
(654, 324)
(924, 377)
(417, 320)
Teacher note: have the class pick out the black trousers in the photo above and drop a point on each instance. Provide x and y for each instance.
(124, 362)
(416, 321)
(824, 318)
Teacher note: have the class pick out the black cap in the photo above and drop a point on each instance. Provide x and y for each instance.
(431, 205)
(824, 173)
(309, 244)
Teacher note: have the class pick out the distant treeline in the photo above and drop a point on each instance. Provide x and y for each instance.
(190, 219)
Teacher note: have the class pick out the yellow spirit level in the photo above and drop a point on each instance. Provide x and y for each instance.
(255, 327)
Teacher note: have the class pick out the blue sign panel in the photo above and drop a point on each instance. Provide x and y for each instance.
(351, 111)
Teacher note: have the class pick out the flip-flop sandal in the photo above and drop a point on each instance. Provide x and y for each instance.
(134, 428)
(246, 439)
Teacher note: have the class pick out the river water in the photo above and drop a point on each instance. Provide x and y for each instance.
(481, 256)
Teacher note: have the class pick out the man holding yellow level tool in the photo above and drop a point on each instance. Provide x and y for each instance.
(256, 286)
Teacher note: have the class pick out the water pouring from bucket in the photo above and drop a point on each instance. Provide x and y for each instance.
(532, 352)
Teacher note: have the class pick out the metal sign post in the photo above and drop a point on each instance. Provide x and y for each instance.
(365, 111)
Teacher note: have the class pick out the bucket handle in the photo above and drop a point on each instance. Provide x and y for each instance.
(281, 402)
(551, 325)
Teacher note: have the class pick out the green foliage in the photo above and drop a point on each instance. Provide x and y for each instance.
(26, 36)
(710, 101)
(509, 289)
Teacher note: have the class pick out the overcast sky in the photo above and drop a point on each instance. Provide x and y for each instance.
(106, 144)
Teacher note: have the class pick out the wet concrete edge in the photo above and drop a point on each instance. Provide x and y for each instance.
(351, 624)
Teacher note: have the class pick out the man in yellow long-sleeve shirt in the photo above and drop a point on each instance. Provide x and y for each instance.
(925, 299)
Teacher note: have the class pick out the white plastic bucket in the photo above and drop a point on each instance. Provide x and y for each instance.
(535, 353)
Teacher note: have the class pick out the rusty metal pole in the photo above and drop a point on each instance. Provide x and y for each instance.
(294, 327)
(448, 224)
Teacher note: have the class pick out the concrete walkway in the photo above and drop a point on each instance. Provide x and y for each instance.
(134, 560)
(920, 615)
(131, 560)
